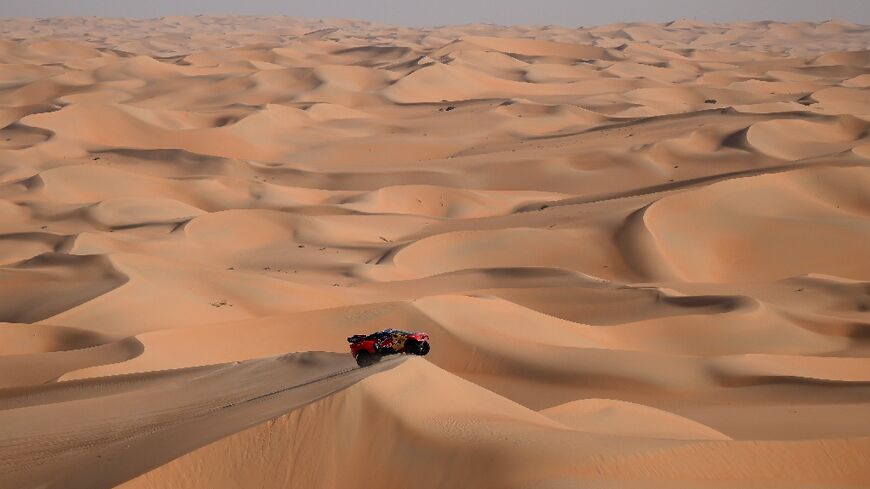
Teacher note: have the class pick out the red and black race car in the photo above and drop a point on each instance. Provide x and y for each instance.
(368, 349)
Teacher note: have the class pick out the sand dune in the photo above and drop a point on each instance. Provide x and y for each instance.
(543, 452)
(778, 245)
(205, 400)
(640, 250)
(627, 419)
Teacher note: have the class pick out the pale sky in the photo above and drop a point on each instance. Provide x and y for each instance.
(436, 12)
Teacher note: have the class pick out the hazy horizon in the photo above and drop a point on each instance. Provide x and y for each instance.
(563, 12)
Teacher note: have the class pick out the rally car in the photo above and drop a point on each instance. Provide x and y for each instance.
(368, 349)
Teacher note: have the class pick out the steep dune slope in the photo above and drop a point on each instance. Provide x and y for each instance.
(118, 427)
(374, 434)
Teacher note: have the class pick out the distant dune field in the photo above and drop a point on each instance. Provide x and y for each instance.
(642, 253)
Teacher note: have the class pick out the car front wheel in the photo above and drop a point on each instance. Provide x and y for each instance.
(413, 347)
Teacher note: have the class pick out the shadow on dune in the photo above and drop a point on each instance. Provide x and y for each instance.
(55, 282)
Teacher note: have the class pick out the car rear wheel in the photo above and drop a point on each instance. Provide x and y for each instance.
(364, 358)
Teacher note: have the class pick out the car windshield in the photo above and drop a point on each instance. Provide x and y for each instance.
(394, 331)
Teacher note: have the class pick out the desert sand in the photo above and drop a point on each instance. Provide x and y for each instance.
(642, 252)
